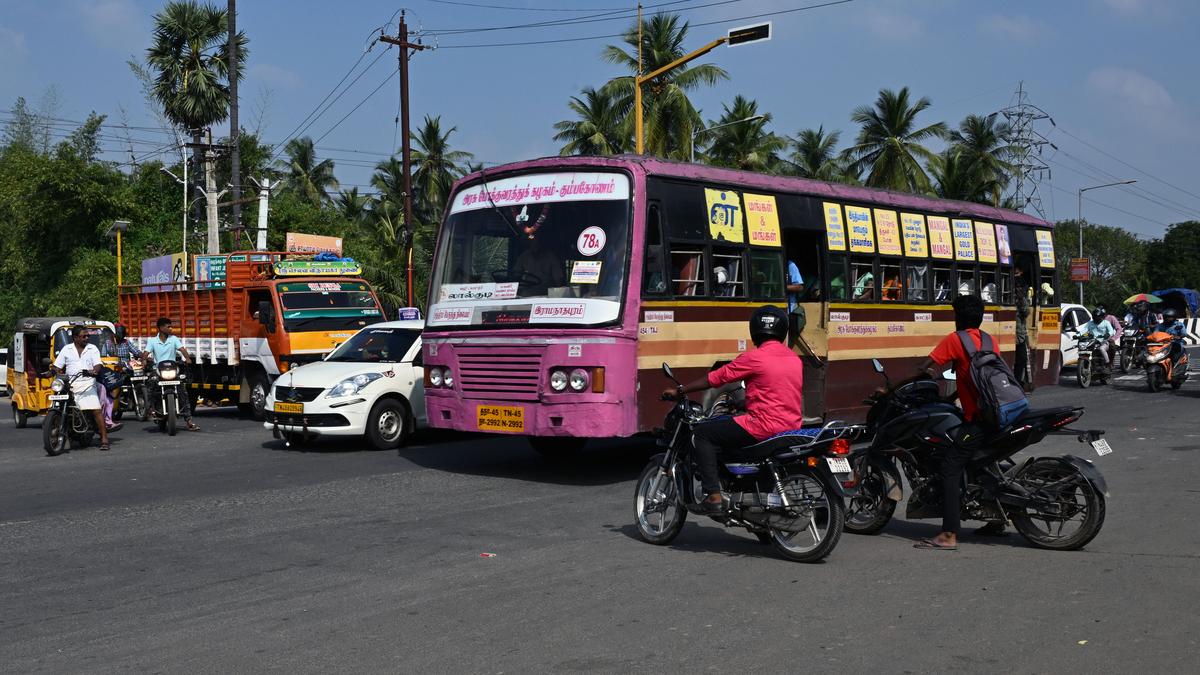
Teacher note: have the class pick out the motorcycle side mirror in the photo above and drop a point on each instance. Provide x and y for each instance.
(877, 366)
(667, 371)
(46, 363)
(949, 375)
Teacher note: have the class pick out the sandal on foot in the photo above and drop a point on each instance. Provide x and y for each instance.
(192, 427)
(929, 544)
(105, 446)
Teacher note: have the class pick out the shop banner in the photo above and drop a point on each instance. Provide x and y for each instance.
(1003, 248)
(835, 229)
(941, 244)
(985, 237)
(888, 231)
(912, 226)
(208, 271)
(862, 232)
(297, 268)
(1045, 244)
(762, 219)
(313, 243)
(163, 270)
(724, 216)
(964, 240)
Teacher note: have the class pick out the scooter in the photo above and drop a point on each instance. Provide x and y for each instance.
(1161, 369)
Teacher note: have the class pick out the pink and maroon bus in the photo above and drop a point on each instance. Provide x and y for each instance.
(560, 286)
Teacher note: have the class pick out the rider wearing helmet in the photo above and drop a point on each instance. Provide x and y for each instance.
(1101, 330)
(1139, 317)
(126, 350)
(1174, 327)
(774, 378)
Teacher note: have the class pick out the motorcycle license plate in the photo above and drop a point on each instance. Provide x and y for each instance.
(169, 383)
(1102, 447)
(58, 397)
(838, 464)
(290, 408)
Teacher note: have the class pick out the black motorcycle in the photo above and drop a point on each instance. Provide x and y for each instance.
(65, 424)
(787, 490)
(133, 394)
(1132, 350)
(168, 381)
(1054, 502)
(1090, 368)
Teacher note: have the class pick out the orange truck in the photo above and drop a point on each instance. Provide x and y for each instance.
(268, 312)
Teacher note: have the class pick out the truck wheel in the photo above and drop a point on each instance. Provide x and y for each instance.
(259, 388)
(20, 417)
(387, 425)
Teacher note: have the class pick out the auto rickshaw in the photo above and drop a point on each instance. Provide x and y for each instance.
(36, 343)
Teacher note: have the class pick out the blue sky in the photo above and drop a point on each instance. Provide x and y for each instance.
(1117, 76)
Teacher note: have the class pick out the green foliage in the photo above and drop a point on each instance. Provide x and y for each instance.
(889, 148)
(742, 144)
(1119, 263)
(598, 128)
(87, 287)
(1174, 261)
(303, 174)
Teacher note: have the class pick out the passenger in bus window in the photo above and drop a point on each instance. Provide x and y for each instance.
(837, 286)
(891, 289)
(966, 282)
(917, 280)
(864, 286)
(941, 284)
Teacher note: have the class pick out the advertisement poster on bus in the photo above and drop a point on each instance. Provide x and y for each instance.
(912, 225)
(862, 232)
(887, 230)
(762, 220)
(941, 244)
(208, 271)
(1003, 248)
(835, 229)
(541, 188)
(1045, 244)
(724, 216)
(298, 242)
(964, 239)
(985, 238)
(162, 271)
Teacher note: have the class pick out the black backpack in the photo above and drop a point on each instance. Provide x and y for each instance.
(1001, 398)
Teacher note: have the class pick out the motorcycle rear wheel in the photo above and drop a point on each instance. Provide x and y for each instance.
(1077, 496)
(828, 518)
(657, 511)
(871, 510)
(55, 440)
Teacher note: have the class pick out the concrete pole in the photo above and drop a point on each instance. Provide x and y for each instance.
(211, 196)
(264, 199)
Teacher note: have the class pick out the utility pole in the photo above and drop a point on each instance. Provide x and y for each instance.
(402, 42)
(211, 196)
(264, 201)
(235, 157)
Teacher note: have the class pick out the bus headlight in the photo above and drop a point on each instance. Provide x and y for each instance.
(558, 380)
(578, 379)
(447, 377)
(435, 376)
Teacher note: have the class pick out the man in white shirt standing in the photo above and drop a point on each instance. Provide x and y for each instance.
(82, 357)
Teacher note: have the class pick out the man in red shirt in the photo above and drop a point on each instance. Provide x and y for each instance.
(774, 378)
(968, 316)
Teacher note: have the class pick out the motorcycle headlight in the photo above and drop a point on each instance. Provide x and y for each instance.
(352, 385)
(578, 379)
(1155, 358)
(57, 386)
(435, 376)
(558, 380)
(168, 374)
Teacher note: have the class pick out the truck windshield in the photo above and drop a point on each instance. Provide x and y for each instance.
(535, 249)
(376, 345)
(311, 300)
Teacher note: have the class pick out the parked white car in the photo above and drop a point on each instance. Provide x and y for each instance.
(371, 386)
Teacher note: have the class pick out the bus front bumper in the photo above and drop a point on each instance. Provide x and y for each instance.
(584, 419)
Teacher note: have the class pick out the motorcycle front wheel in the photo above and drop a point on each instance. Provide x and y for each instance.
(825, 514)
(54, 437)
(871, 510)
(1068, 511)
(1153, 378)
(1083, 373)
(657, 511)
(172, 418)
(1125, 359)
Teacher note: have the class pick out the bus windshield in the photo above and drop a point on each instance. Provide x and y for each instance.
(537, 249)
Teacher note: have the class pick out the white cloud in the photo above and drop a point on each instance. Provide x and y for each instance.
(1020, 27)
(114, 24)
(1131, 87)
(276, 76)
(12, 45)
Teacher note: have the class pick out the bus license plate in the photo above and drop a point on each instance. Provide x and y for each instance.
(1102, 447)
(838, 464)
(509, 419)
(290, 408)
(58, 397)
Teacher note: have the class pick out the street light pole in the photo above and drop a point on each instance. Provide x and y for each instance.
(697, 132)
(1079, 218)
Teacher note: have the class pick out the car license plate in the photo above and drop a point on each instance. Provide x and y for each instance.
(838, 464)
(1102, 447)
(502, 418)
(290, 408)
(58, 397)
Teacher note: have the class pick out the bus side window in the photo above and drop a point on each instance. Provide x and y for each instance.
(1006, 286)
(1047, 284)
(966, 280)
(918, 281)
(941, 284)
(989, 291)
(728, 277)
(863, 272)
(837, 277)
(654, 274)
(687, 270)
(766, 275)
(889, 271)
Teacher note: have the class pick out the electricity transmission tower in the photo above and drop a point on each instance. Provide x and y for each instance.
(1027, 143)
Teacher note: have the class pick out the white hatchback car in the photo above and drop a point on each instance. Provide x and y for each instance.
(371, 386)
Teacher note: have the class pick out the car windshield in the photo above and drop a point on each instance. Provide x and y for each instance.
(540, 249)
(376, 345)
(101, 336)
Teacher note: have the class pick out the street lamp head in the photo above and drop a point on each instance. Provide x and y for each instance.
(116, 227)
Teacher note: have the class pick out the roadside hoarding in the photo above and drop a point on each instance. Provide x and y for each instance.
(313, 243)
(1081, 269)
(159, 273)
(208, 271)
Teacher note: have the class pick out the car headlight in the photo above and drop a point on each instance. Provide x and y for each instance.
(558, 380)
(578, 379)
(168, 374)
(352, 385)
(57, 386)
(435, 376)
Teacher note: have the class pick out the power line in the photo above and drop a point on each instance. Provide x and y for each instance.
(1127, 164)
(355, 108)
(526, 9)
(1135, 191)
(624, 13)
(1125, 189)
(1114, 208)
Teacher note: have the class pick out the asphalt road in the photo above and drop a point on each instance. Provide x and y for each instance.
(223, 552)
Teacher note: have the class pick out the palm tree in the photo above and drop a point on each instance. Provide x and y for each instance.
(744, 144)
(435, 168)
(188, 57)
(982, 142)
(955, 177)
(303, 174)
(814, 156)
(597, 129)
(888, 148)
(669, 115)
(353, 206)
